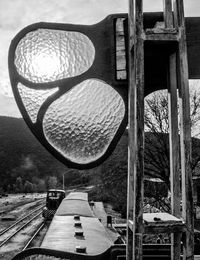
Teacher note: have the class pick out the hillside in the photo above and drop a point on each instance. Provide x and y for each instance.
(21, 154)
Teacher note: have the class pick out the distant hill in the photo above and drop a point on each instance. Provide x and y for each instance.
(21, 154)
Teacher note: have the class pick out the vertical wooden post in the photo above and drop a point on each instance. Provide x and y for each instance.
(130, 245)
(167, 11)
(174, 154)
(185, 133)
(136, 129)
(139, 85)
(173, 136)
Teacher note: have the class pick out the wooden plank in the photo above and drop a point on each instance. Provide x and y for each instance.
(162, 31)
(130, 246)
(165, 228)
(167, 10)
(160, 218)
(136, 129)
(172, 225)
(162, 223)
(121, 73)
(174, 153)
(173, 137)
(160, 35)
(185, 134)
(139, 122)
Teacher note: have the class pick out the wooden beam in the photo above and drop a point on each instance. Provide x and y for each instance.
(136, 128)
(173, 136)
(130, 245)
(139, 85)
(174, 153)
(167, 11)
(121, 73)
(185, 134)
(162, 35)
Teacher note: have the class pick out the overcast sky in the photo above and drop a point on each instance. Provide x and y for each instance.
(16, 14)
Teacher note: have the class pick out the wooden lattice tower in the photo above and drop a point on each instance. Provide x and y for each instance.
(179, 225)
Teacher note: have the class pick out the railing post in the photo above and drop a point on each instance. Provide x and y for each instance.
(136, 130)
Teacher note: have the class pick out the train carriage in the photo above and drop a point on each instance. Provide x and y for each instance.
(75, 233)
(75, 229)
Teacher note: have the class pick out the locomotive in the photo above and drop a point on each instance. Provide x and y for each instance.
(53, 200)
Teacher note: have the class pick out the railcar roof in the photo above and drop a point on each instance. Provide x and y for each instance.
(52, 190)
(77, 195)
(61, 235)
(70, 207)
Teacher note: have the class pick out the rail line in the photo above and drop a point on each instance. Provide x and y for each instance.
(23, 204)
(27, 245)
(20, 220)
(19, 229)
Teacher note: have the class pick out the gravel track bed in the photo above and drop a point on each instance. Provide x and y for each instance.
(18, 205)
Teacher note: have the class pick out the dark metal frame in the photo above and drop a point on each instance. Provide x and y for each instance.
(102, 69)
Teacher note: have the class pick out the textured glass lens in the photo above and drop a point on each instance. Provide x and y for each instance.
(46, 55)
(33, 99)
(82, 123)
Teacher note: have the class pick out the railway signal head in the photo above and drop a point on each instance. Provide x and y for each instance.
(70, 82)
(67, 91)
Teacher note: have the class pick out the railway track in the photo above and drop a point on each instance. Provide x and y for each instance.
(7, 234)
(8, 211)
(30, 241)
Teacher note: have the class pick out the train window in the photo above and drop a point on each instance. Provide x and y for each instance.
(54, 194)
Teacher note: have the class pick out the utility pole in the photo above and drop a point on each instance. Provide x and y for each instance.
(63, 181)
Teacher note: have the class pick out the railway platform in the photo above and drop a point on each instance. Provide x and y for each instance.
(100, 213)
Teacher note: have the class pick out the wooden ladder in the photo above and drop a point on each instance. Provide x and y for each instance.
(179, 224)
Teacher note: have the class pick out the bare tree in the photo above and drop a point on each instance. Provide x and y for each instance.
(157, 129)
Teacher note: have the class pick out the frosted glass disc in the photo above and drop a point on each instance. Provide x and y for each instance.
(82, 123)
(47, 55)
